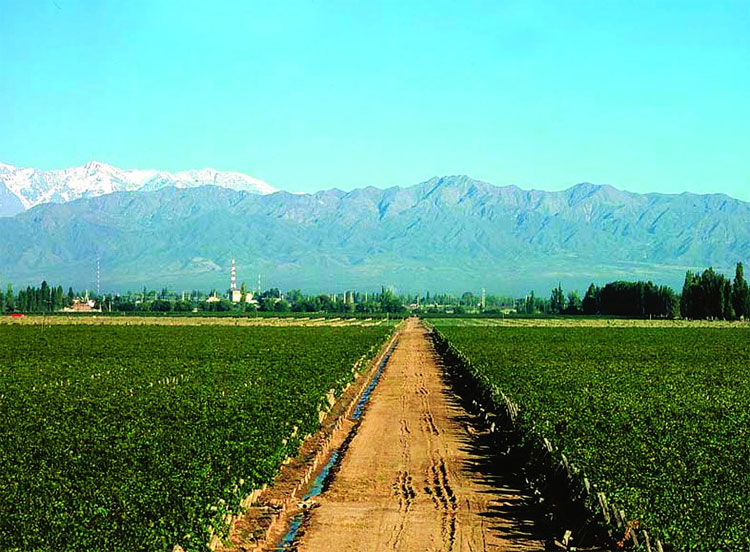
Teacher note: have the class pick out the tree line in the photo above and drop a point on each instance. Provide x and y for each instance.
(711, 295)
(633, 299)
(44, 298)
(47, 299)
(707, 295)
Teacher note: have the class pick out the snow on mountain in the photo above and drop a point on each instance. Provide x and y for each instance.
(33, 187)
(233, 180)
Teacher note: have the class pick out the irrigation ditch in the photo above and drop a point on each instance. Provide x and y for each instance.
(274, 516)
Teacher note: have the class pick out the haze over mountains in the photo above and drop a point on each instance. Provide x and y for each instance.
(450, 233)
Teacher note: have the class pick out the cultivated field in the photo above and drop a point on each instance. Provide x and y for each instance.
(146, 320)
(140, 433)
(658, 418)
(583, 322)
(141, 437)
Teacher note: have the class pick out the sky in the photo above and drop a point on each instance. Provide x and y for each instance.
(647, 96)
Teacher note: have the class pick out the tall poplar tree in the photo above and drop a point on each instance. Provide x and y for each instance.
(10, 303)
(557, 300)
(740, 293)
(591, 301)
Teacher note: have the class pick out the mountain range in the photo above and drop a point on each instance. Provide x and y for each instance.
(23, 188)
(447, 234)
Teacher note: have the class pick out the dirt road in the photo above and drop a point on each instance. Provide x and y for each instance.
(413, 477)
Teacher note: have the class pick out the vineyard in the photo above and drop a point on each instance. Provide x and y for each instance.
(657, 418)
(143, 437)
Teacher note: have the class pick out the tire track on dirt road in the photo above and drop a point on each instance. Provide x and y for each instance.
(410, 478)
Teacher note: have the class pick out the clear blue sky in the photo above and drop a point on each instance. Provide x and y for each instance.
(642, 95)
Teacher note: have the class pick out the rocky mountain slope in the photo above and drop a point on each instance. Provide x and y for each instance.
(450, 233)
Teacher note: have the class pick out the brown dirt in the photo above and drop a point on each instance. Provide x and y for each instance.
(268, 511)
(413, 477)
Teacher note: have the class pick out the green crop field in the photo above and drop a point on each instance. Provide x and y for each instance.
(140, 437)
(658, 418)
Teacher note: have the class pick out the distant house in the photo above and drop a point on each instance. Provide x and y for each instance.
(235, 296)
(82, 305)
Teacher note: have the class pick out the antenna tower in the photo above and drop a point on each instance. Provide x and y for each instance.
(98, 279)
(483, 298)
(234, 276)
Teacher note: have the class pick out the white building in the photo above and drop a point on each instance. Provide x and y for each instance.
(235, 295)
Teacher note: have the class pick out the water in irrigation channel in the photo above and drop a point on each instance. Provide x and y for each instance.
(375, 379)
(321, 480)
(315, 490)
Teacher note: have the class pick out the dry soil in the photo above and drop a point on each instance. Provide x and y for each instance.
(412, 477)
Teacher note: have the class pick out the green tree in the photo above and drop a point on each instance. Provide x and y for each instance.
(266, 303)
(243, 295)
(183, 306)
(574, 303)
(389, 302)
(740, 293)
(591, 300)
(31, 300)
(161, 305)
(706, 296)
(530, 303)
(45, 297)
(713, 288)
(557, 300)
(467, 299)
(690, 300)
(294, 296)
(58, 298)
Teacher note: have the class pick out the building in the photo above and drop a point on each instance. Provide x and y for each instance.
(82, 305)
(235, 295)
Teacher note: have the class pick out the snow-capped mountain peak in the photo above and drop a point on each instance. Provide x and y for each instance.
(31, 187)
(234, 180)
(96, 166)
